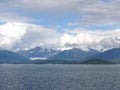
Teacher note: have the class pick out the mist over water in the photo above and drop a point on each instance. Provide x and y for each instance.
(59, 77)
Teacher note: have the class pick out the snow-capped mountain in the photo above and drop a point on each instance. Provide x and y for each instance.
(38, 53)
(74, 54)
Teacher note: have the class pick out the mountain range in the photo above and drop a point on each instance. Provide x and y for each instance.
(74, 55)
(38, 53)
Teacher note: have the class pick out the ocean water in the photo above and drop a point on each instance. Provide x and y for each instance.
(59, 77)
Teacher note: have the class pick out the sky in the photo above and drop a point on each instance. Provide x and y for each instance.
(59, 24)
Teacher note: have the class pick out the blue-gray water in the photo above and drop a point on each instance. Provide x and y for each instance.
(59, 77)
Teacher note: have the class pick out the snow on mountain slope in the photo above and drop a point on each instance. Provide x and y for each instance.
(38, 52)
(74, 54)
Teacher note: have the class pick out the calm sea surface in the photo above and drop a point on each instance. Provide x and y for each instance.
(59, 77)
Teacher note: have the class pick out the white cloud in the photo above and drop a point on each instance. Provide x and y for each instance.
(21, 35)
(95, 39)
(15, 35)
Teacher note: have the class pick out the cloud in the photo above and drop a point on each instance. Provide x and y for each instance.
(95, 39)
(14, 17)
(73, 24)
(16, 36)
(22, 35)
(91, 12)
